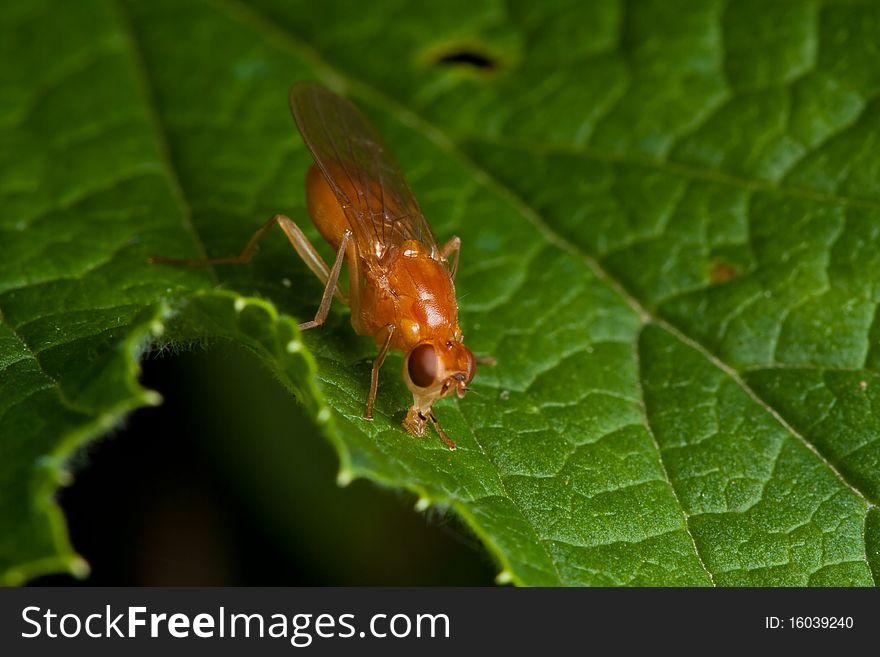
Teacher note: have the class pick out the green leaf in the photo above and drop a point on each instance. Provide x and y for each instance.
(669, 213)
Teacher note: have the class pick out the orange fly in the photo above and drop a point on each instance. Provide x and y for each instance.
(401, 283)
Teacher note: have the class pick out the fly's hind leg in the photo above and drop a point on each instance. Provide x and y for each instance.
(374, 375)
(309, 255)
(241, 259)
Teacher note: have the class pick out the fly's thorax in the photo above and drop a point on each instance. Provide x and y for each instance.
(425, 296)
(410, 290)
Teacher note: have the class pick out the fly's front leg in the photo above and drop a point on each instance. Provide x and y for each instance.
(452, 249)
(445, 438)
(297, 238)
(374, 376)
(330, 287)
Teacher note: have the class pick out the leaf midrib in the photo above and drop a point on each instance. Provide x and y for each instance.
(650, 430)
(338, 80)
(541, 541)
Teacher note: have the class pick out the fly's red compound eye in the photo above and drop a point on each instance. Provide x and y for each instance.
(423, 365)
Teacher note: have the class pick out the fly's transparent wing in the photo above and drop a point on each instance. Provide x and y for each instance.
(368, 183)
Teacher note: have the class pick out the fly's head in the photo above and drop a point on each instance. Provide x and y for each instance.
(432, 370)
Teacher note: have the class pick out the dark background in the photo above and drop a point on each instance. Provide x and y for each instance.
(229, 483)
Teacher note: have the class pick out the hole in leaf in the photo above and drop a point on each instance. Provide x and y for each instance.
(467, 57)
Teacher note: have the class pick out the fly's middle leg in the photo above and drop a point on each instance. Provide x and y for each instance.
(374, 375)
(452, 249)
(330, 286)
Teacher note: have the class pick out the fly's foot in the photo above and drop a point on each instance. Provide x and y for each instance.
(415, 422)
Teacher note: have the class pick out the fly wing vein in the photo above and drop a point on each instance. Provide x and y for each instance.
(367, 182)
